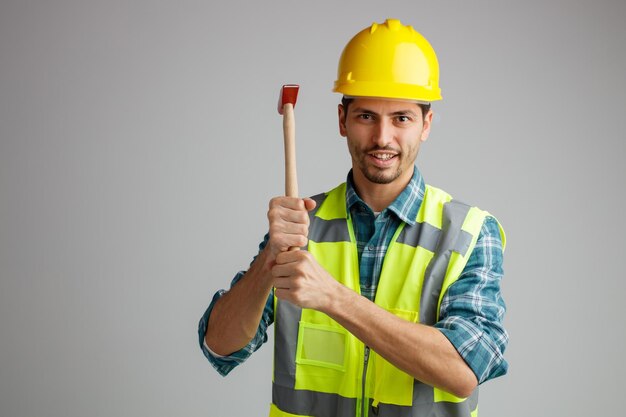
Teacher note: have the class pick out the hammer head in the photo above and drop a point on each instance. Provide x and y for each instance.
(288, 94)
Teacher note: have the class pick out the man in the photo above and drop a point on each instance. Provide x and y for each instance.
(393, 305)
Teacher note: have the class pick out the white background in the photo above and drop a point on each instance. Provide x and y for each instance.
(140, 144)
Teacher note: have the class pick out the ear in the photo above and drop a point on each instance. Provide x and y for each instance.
(428, 121)
(342, 120)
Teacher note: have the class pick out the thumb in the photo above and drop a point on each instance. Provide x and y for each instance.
(309, 204)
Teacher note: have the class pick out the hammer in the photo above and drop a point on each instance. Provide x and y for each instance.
(286, 103)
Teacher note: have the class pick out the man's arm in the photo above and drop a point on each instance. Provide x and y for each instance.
(472, 309)
(421, 351)
(424, 352)
(225, 364)
(236, 315)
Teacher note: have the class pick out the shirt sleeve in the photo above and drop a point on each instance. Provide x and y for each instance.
(472, 310)
(225, 364)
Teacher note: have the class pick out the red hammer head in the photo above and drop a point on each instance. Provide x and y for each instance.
(288, 94)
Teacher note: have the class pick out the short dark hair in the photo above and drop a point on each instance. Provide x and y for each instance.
(345, 102)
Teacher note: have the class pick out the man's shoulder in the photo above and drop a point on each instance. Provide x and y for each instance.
(435, 193)
(441, 197)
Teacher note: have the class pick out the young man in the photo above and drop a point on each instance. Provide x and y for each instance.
(393, 305)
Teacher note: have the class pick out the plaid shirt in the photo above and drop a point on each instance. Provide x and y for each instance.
(471, 311)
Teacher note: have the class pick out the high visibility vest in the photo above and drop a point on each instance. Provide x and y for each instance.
(322, 370)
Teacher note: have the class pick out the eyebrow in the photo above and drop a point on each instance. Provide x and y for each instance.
(395, 113)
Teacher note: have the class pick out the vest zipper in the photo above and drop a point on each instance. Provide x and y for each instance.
(364, 400)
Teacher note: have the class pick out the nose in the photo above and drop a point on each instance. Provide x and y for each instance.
(383, 133)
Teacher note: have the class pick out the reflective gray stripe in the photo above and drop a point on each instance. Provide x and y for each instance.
(321, 404)
(445, 409)
(426, 236)
(285, 344)
(389, 410)
(319, 199)
(462, 243)
(335, 230)
(420, 234)
(450, 409)
(454, 214)
(320, 230)
(312, 403)
(424, 405)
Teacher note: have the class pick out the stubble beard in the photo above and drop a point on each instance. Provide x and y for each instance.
(382, 176)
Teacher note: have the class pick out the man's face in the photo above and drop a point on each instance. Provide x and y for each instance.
(384, 137)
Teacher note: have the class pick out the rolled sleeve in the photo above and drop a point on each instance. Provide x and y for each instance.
(472, 310)
(224, 364)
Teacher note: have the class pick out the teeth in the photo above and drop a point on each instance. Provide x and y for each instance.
(384, 156)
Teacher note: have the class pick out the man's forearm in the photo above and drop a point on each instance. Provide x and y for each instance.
(421, 351)
(236, 315)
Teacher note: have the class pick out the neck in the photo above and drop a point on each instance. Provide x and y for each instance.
(379, 196)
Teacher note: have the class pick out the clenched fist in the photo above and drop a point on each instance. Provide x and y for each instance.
(300, 279)
(288, 224)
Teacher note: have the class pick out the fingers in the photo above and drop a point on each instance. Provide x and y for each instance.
(283, 294)
(288, 275)
(298, 278)
(291, 210)
(283, 283)
(293, 203)
(284, 236)
(284, 279)
(288, 264)
(290, 257)
(309, 204)
(289, 223)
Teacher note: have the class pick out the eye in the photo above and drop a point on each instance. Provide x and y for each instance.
(403, 119)
(365, 116)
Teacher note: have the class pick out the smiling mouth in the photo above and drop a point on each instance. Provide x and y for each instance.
(382, 156)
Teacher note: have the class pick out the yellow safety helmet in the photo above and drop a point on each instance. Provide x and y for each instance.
(389, 60)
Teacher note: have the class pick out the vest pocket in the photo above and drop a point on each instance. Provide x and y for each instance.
(322, 345)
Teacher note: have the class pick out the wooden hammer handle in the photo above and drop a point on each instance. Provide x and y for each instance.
(289, 131)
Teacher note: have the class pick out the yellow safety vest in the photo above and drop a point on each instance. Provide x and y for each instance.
(322, 370)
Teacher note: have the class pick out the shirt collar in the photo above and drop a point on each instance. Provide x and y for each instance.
(405, 206)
